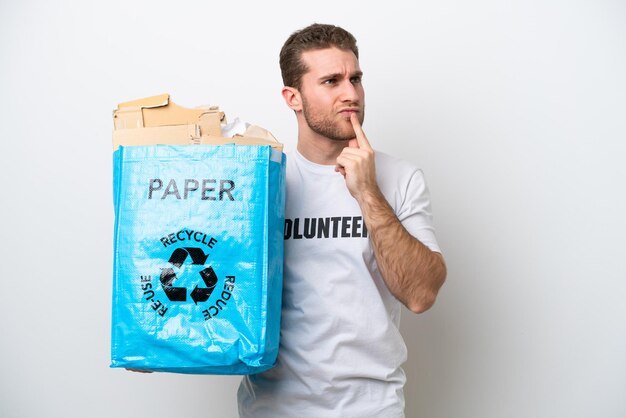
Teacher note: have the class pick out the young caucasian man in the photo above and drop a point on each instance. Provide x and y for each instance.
(359, 243)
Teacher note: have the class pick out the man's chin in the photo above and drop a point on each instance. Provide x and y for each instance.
(344, 136)
(341, 130)
(340, 139)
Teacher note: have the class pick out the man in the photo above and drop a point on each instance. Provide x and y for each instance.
(359, 242)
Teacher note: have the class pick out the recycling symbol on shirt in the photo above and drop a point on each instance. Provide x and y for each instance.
(168, 276)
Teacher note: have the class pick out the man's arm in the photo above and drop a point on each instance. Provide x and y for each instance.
(413, 273)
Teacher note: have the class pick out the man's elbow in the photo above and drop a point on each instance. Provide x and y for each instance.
(429, 296)
(424, 303)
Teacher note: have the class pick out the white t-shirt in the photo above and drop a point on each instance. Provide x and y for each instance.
(341, 351)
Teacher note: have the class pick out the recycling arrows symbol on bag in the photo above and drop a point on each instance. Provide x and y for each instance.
(168, 275)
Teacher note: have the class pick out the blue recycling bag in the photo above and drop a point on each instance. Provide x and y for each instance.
(198, 258)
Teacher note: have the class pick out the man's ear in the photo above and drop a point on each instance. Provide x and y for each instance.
(292, 97)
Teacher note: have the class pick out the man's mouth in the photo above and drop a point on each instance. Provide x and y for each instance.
(347, 112)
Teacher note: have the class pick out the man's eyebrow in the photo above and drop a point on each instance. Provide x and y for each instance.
(329, 76)
(339, 75)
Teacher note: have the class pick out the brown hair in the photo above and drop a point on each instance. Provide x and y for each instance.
(315, 36)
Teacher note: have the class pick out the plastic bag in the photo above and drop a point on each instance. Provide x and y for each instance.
(198, 258)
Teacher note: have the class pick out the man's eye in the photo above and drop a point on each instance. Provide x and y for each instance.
(330, 81)
(355, 80)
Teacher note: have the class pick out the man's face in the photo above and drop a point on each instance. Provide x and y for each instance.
(331, 90)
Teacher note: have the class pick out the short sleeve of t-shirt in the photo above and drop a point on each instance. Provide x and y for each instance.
(409, 197)
(415, 212)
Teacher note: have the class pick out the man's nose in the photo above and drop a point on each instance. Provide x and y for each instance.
(349, 92)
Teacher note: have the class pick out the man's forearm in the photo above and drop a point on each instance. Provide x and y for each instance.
(413, 273)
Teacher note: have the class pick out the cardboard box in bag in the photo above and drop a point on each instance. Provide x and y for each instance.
(158, 120)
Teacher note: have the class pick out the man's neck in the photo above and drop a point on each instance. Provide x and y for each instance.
(319, 149)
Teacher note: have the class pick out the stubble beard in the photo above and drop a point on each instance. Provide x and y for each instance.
(326, 126)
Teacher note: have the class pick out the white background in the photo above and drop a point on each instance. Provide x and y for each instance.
(515, 110)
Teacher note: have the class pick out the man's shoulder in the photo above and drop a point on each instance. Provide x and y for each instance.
(389, 163)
